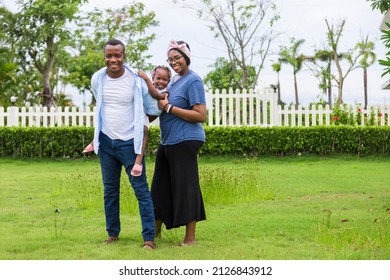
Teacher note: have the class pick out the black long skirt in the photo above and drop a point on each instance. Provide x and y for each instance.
(175, 189)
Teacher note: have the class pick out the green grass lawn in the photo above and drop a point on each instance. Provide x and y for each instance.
(270, 208)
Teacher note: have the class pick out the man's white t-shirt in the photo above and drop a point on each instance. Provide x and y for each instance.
(118, 107)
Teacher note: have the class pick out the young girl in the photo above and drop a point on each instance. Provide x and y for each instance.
(161, 75)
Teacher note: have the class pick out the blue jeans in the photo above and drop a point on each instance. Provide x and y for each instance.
(113, 155)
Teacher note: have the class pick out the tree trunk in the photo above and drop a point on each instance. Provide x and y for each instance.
(340, 80)
(365, 87)
(46, 92)
(48, 98)
(329, 86)
(340, 91)
(296, 91)
(279, 95)
(244, 76)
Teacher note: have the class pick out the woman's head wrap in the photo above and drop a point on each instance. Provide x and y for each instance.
(182, 47)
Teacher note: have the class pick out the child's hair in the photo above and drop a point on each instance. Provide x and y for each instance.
(155, 70)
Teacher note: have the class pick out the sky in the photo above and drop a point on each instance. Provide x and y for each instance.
(302, 19)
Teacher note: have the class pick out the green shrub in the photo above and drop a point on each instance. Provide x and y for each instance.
(320, 140)
(65, 142)
(38, 142)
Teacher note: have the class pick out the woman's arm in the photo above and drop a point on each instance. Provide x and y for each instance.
(198, 112)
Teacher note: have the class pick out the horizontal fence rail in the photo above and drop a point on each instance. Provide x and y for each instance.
(225, 108)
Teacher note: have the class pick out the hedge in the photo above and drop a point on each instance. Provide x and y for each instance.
(320, 140)
(54, 142)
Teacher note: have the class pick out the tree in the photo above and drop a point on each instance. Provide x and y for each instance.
(384, 6)
(7, 77)
(291, 56)
(42, 32)
(222, 77)
(325, 74)
(368, 57)
(129, 24)
(17, 77)
(333, 35)
(8, 68)
(246, 28)
(81, 67)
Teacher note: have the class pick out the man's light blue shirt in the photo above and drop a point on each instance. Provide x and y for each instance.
(142, 99)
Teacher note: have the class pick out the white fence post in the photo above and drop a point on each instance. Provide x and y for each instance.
(209, 105)
(2, 116)
(231, 102)
(278, 120)
(328, 112)
(13, 119)
(300, 115)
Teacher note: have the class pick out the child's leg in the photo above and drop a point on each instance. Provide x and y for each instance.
(137, 168)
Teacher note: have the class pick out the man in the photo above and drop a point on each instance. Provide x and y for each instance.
(122, 99)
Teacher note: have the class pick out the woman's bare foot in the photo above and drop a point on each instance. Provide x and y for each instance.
(189, 238)
(185, 244)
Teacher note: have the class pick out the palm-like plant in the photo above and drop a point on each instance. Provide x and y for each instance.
(368, 57)
(63, 100)
(382, 5)
(326, 75)
(277, 67)
(291, 56)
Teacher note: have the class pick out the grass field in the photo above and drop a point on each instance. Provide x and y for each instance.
(270, 208)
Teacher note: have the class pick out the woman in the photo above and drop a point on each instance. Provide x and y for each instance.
(175, 187)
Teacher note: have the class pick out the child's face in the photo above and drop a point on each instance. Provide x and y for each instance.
(161, 79)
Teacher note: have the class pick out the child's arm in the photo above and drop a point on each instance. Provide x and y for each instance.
(152, 90)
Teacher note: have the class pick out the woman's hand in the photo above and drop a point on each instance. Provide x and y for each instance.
(162, 104)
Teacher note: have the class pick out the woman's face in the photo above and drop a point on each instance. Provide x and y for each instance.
(177, 62)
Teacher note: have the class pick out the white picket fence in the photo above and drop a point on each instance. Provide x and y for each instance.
(225, 108)
(235, 108)
(42, 117)
(321, 115)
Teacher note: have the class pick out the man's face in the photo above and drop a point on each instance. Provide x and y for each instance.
(114, 57)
